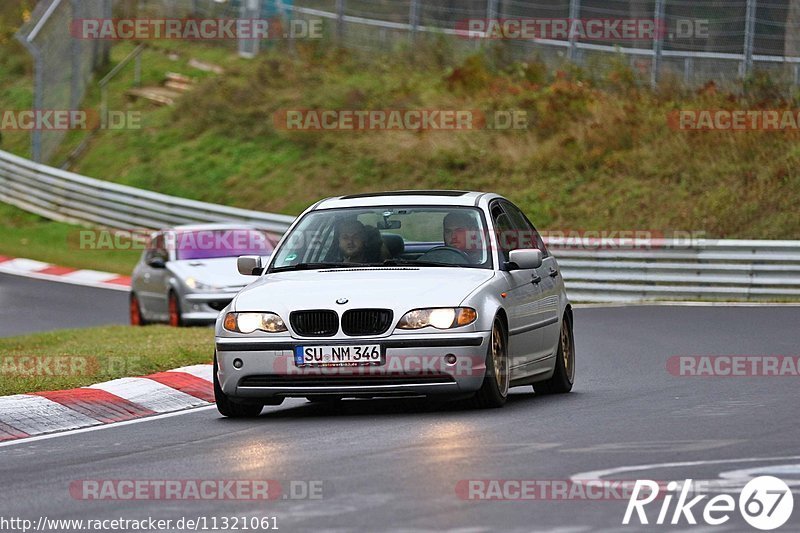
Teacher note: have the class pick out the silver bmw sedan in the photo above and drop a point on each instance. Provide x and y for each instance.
(406, 293)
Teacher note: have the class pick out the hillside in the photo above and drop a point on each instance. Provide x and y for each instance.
(598, 153)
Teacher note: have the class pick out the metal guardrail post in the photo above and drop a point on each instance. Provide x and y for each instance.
(749, 38)
(38, 94)
(658, 42)
(491, 9)
(574, 14)
(413, 18)
(340, 21)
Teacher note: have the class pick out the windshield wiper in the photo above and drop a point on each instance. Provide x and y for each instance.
(309, 266)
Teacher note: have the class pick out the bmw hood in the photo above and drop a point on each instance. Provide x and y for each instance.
(218, 272)
(391, 288)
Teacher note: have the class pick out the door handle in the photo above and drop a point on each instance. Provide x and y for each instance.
(536, 279)
(553, 272)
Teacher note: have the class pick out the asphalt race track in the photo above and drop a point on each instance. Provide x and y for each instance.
(395, 465)
(31, 305)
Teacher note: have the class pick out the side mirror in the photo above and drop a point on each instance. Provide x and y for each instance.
(524, 259)
(157, 262)
(250, 265)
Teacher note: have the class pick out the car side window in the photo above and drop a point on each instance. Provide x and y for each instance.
(503, 229)
(157, 249)
(526, 234)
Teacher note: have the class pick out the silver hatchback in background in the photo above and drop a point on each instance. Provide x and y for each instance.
(188, 273)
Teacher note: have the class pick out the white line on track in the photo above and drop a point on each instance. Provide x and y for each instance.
(64, 279)
(105, 426)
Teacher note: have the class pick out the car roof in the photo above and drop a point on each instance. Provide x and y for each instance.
(405, 197)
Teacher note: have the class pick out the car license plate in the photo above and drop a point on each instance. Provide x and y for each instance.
(342, 355)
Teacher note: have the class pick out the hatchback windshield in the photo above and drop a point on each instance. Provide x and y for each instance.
(387, 236)
(208, 244)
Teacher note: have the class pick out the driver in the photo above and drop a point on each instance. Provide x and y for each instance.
(461, 232)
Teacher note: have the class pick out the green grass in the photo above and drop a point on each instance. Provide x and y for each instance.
(598, 155)
(33, 237)
(80, 357)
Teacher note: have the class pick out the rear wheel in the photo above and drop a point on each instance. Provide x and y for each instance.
(175, 319)
(564, 375)
(136, 312)
(494, 390)
(228, 407)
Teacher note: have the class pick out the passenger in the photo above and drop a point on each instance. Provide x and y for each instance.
(358, 243)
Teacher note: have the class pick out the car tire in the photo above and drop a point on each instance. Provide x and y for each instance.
(135, 311)
(494, 390)
(564, 374)
(228, 407)
(174, 309)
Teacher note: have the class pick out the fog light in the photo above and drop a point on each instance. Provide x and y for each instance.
(450, 359)
(237, 363)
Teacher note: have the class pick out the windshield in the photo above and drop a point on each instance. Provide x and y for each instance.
(208, 244)
(387, 236)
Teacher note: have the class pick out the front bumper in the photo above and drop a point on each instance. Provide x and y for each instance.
(412, 365)
(204, 307)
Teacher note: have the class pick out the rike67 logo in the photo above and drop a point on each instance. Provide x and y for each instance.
(765, 503)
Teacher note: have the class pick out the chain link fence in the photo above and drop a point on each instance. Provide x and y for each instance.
(63, 66)
(700, 40)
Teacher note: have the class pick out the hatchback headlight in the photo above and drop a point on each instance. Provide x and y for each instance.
(440, 318)
(192, 283)
(250, 322)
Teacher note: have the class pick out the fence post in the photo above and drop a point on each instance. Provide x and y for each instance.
(574, 14)
(749, 38)
(75, 45)
(413, 17)
(38, 96)
(340, 21)
(658, 42)
(491, 9)
(249, 9)
(688, 70)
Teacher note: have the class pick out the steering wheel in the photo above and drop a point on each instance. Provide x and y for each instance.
(445, 255)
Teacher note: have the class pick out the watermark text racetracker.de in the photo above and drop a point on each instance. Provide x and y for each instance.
(735, 365)
(399, 120)
(195, 29)
(196, 489)
(37, 366)
(595, 29)
(736, 120)
(68, 120)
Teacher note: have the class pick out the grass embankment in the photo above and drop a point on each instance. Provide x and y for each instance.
(598, 154)
(78, 357)
(33, 237)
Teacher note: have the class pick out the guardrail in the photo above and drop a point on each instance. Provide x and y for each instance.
(748, 270)
(69, 197)
(703, 269)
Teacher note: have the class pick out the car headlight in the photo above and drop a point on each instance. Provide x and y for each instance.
(440, 318)
(192, 283)
(250, 322)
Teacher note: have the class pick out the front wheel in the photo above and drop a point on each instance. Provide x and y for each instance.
(229, 408)
(136, 311)
(564, 374)
(494, 390)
